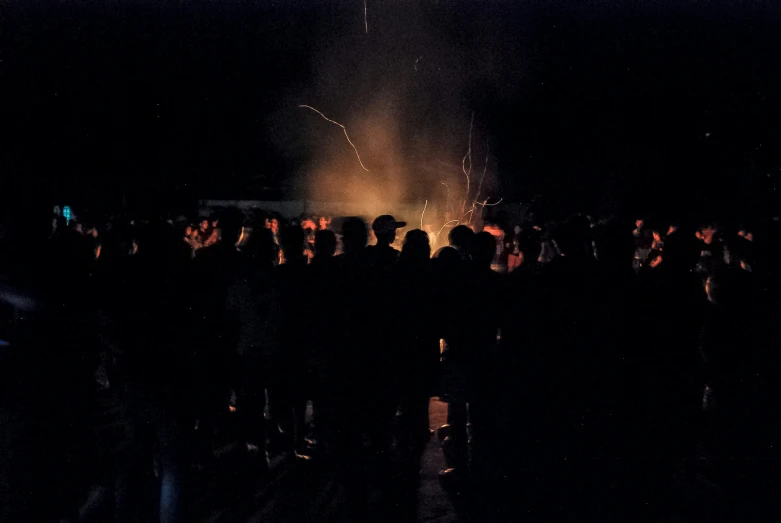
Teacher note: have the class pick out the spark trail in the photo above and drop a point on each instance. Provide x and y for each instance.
(486, 204)
(485, 168)
(445, 225)
(365, 21)
(423, 213)
(463, 162)
(448, 206)
(343, 129)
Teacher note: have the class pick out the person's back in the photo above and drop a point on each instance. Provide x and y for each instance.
(291, 284)
(290, 387)
(561, 362)
(321, 286)
(154, 371)
(152, 312)
(350, 302)
(737, 370)
(347, 379)
(418, 343)
(414, 283)
(485, 290)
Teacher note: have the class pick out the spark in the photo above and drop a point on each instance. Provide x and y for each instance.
(421, 214)
(345, 133)
(485, 168)
(448, 196)
(445, 225)
(485, 203)
(415, 65)
(463, 161)
(480, 185)
(365, 21)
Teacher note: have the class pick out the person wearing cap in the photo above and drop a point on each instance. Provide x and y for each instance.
(384, 228)
(382, 344)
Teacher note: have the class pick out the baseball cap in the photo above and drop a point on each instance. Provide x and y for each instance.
(386, 223)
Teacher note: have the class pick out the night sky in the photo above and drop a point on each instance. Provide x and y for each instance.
(583, 103)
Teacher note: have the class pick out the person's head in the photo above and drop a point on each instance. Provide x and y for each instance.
(460, 238)
(708, 233)
(355, 235)
(308, 224)
(384, 228)
(325, 243)
(292, 242)
(483, 249)
(446, 262)
(188, 231)
(639, 223)
(274, 225)
(323, 222)
(416, 247)
(204, 226)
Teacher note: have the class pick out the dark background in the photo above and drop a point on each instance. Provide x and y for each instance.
(643, 105)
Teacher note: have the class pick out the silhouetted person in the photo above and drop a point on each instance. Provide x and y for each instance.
(153, 375)
(325, 244)
(324, 330)
(560, 365)
(47, 360)
(382, 256)
(204, 230)
(383, 344)
(291, 388)
(216, 269)
(419, 344)
(711, 249)
(454, 302)
(741, 372)
(256, 302)
(460, 238)
(347, 380)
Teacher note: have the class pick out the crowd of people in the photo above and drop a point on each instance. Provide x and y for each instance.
(558, 347)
